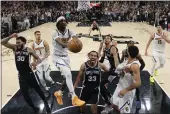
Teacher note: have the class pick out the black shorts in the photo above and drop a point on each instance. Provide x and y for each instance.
(28, 79)
(95, 28)
(90, 95)
(105, 76)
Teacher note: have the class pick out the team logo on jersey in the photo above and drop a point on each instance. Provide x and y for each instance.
(17, 52)
(126, 69)
(127, 109)
(64, 40)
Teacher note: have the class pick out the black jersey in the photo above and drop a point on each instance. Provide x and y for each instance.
(110, 56)
(125, 52)
(22, 60)
(92, 76)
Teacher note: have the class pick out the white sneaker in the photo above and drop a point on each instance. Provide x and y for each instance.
(107, 109)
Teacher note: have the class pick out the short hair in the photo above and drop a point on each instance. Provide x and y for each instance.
(94, 52)
(36, 32)
(23, 39)
(133, 51)
(130, 42)
(110, 37)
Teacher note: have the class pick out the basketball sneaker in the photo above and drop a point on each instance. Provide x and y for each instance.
(58, 95)
(36, 110)
(152, 79)
(107, 109)
(156, 72)
(138, 105)
(77, 102)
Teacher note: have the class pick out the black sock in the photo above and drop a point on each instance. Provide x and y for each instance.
(63, 85)
(137, 94)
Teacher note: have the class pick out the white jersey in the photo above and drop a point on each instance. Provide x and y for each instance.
(58, 49)
(127, 80)
(158, 43)
(40, 49)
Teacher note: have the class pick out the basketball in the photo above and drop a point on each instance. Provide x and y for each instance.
(75, 45)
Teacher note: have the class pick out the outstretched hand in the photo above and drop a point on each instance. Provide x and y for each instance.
(14, 35)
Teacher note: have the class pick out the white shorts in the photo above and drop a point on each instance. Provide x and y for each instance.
(43, 66)
(159, 57)
(125, 103)
(62, 63)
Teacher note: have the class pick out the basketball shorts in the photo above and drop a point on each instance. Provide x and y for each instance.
(62, 63)
(27, 79)
(159, 57)
(43, 66)
(95, 28)
(124, 103)
(90, 95)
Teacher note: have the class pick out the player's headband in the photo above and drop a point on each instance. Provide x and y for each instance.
(60, 18)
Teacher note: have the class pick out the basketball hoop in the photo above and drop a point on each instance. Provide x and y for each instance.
(83, 5)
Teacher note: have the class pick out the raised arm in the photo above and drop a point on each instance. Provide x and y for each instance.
(100, 48)
(165, 37)
(123, 56)
(5, 42)
(81, 71)
(115, 56)
(148, 44)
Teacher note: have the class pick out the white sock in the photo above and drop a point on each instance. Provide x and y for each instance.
(70, 85)
(159, 66)
(153, 68)
(48, 78)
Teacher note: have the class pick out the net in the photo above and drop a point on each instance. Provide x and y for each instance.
(83, 5)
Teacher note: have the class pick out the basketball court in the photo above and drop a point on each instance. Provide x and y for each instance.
(12, 100)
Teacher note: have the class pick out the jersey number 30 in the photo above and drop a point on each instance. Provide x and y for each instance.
(20, 58)
(92, 78)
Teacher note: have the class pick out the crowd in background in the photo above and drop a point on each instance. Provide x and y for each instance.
(17, 16)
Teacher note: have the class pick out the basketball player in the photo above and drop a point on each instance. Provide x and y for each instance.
(128, 82)
(41, 48)
(158, 51)
(111, 52)
(94, 26)
(62, 61)
(139, 57)
(26, 76)
(91, 72)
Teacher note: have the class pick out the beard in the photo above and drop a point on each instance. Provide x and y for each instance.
(19, 48)
(61, 27)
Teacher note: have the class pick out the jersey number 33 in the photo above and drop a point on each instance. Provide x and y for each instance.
(91, 78)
